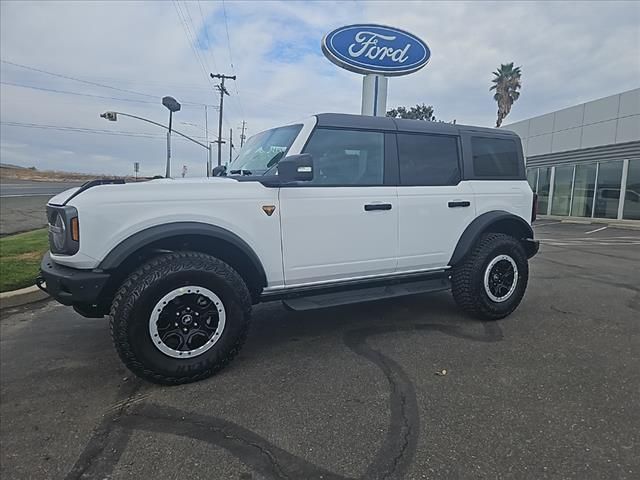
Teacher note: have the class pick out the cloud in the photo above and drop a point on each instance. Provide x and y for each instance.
(569, 52)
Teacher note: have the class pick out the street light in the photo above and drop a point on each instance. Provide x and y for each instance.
(173, 106)
(113, 117)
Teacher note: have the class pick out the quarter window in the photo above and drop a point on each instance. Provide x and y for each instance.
(428, 159)
(347, 157)
(495, 157)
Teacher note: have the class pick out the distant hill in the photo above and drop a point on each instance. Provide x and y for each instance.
(8, 171)
(9, 165)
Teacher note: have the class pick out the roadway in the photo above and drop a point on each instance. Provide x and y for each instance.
(22, 203)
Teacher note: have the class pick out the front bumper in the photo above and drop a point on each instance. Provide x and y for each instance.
(71, 286)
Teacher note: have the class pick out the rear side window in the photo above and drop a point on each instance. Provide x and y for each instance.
(495, 157)
(428, 159)
(346, 157)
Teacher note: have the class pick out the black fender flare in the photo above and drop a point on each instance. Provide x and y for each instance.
(159, 232)
(485, 222)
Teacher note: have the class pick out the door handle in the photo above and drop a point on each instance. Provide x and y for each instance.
(462, 203)
(377, 206)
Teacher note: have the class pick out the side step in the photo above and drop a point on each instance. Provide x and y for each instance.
(325, 300)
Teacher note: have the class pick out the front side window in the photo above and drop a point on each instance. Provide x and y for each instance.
(346, 157)
(495, 157)
(263, 151)
(428, 159)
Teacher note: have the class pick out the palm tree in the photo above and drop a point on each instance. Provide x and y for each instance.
(506, 84)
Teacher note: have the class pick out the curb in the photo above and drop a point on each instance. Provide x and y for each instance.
(17, 298)
(609, 222)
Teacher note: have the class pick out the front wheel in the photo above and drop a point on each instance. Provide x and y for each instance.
(180, 318)
(491, 280)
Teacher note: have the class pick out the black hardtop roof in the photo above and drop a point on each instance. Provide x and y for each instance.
(343, 120)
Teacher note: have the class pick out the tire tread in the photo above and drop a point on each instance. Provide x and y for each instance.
(464, 277)
(158, 267)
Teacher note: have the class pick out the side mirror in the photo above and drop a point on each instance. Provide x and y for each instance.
(218, 170)
(296, 168)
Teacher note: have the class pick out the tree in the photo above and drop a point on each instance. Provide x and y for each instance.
(506, 83)
(419, 112)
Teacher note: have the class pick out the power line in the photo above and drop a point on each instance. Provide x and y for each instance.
(206, 34)
(76, 93)
(89, 83)
(81, 129)
(98, 131)
(190, 38)
(233, 68)
(95, 84)
(226, 27)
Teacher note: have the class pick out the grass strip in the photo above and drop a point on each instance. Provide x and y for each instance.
(20, 257)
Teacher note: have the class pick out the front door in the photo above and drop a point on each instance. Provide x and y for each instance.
(344, 223)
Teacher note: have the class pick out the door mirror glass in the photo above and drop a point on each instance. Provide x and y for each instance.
(218, 170)
(296, 168)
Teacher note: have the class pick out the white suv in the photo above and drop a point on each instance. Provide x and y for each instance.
(335, 209)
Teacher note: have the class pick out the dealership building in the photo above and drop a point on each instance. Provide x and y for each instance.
(584, 161)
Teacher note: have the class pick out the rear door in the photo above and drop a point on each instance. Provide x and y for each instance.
(435, 204)
(343, 224)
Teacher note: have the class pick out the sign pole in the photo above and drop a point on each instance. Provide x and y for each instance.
(374, 95)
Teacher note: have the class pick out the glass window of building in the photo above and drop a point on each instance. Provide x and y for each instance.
(532, 178)
(583, 187)
(562, 184)
(608, 191)
(544, 179)
(632, 194)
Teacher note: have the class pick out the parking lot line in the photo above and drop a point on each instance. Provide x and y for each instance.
(545, 224)
(596, 230)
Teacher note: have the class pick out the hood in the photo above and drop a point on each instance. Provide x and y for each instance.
(156, 192)
(60, 198)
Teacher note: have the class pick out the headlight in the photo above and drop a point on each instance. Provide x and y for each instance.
(64, 229)
(58, 232)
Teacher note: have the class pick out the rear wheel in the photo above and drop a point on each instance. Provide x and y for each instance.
(180, 318)
(491, 280)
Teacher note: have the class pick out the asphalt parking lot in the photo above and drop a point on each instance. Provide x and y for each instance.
(551, 392)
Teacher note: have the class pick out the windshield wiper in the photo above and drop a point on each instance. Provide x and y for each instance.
(240, 172)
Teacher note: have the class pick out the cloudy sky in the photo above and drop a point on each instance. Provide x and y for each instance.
(128, 55)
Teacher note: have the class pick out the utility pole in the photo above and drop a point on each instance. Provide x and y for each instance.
(223, 91)
(242, 136)
(206, 135)
(230, 144)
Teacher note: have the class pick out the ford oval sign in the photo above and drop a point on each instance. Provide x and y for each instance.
(375, 49)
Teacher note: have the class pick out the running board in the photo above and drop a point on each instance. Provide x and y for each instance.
(325, 300)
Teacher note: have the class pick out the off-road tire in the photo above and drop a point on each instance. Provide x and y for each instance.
(467, 279)
(134, 301)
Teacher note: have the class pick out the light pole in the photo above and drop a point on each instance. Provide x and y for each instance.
(173, 106)
(113, 117)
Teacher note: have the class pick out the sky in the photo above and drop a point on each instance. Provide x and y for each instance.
(128, 55)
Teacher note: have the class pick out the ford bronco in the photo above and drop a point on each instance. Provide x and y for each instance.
(332, 210)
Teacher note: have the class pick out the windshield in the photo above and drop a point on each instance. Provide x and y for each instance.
(263, 151)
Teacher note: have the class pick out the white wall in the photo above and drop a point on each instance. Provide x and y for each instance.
(609, 120)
